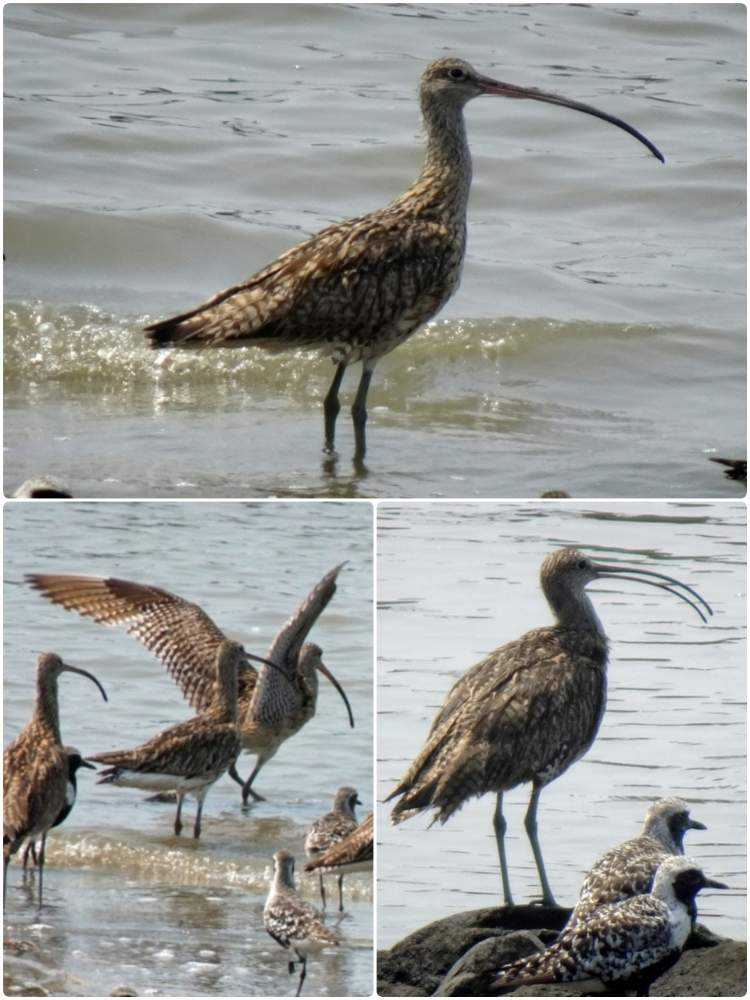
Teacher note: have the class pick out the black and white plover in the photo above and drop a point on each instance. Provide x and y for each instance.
(630, 943)
(273, 704)
(331, 829)
(528, 710)
(75, 762)
(629, 869)
(359, 288)
(189, 757)
(292, 922)
(35, 768)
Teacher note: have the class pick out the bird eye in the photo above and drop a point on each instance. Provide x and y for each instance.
(582, 564)
(457, 74)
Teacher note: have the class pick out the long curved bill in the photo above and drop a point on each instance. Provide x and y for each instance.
(327, 673)
(532, 94)
(658, 580)
(85, 673)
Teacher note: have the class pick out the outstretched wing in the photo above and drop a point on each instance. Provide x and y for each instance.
(180, 634)
(288, 642)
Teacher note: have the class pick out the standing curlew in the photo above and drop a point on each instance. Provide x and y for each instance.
(273, 704)
(628, 869)
(35, 768)
(75, 762)
(331, 829)
(189, 757)
(292, 922)
(352, 854)
(359, 288)
(528, 710)
(630, 943)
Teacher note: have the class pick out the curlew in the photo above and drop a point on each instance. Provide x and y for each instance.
(292, 922)
(528, 710)
(331, 829)
(359, 288)
(75, 762)
(628, 944)
(352, 854)
(274, 704)
(629, 869)
(35, 768)
(189, 757)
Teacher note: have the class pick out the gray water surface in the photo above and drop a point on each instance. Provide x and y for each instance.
(126, 902)
(456, 582)
(155, 154)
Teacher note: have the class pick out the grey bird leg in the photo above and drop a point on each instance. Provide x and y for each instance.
(341, 893)
(232, 772)
(531, 830)
(178, 816)
(359, 410)
(498, 821)
(6, 862)
(302, 975)
(247, 790)
(41, 866)
(29, 850)
(322, 891)
(331, 407)
(197, 824)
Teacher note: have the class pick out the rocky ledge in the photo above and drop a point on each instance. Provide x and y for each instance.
(457, 956)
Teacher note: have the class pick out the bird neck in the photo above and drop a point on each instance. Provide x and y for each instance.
(445, 179)
(573, 609)
(657, 828)
(225, 703)
(46, 709)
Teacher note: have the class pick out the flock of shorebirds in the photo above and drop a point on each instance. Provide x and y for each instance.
(525, 714)
(239, 708)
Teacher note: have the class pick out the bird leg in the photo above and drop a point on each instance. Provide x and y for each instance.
(341, 893)
(531, 830)
(302, 975)
(246, 787)
(29, 851)
(197, 824)
(232, 772)
(359, 410)
(178, 816)
(498, 821)
(6, 862)
(41, 865)
(331, 407)
(322, 891)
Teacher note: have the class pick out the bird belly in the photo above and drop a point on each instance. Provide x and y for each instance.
(161, 782)
(308, 945)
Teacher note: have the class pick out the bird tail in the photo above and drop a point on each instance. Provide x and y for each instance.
(527, 971)
(107, 776)
(198, 327)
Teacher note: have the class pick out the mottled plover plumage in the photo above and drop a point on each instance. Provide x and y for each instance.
(331, 829)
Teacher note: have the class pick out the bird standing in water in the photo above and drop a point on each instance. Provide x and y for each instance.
(359, 288)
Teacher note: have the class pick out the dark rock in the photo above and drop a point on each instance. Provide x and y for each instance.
(458, 956)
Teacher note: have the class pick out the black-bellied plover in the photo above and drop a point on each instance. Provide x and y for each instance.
(331, 829)
(75, 762)
(630, 943)
(292, 922)
(189, 757)
(273, 704)
(35, 768)
(528, 710)
(352, 854)
(629, 869)
(361, 287)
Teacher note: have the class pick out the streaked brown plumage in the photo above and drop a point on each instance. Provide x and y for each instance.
(527, 711)
(332, 828)
(352, 854)
(273, 703)
(35, 768)
(359, 288)
(189, 757)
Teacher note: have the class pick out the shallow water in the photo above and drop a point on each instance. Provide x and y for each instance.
(596, 343)
(453, 584)
(127, 903)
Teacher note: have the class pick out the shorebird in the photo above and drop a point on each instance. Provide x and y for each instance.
(189, 757)
(292, 922)
(331, 829)
(35, 768)
(629, 869)
(359, 288)
(528, 710)
(274, 704)
(75, 761)
(630, 943)
(352, 854)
